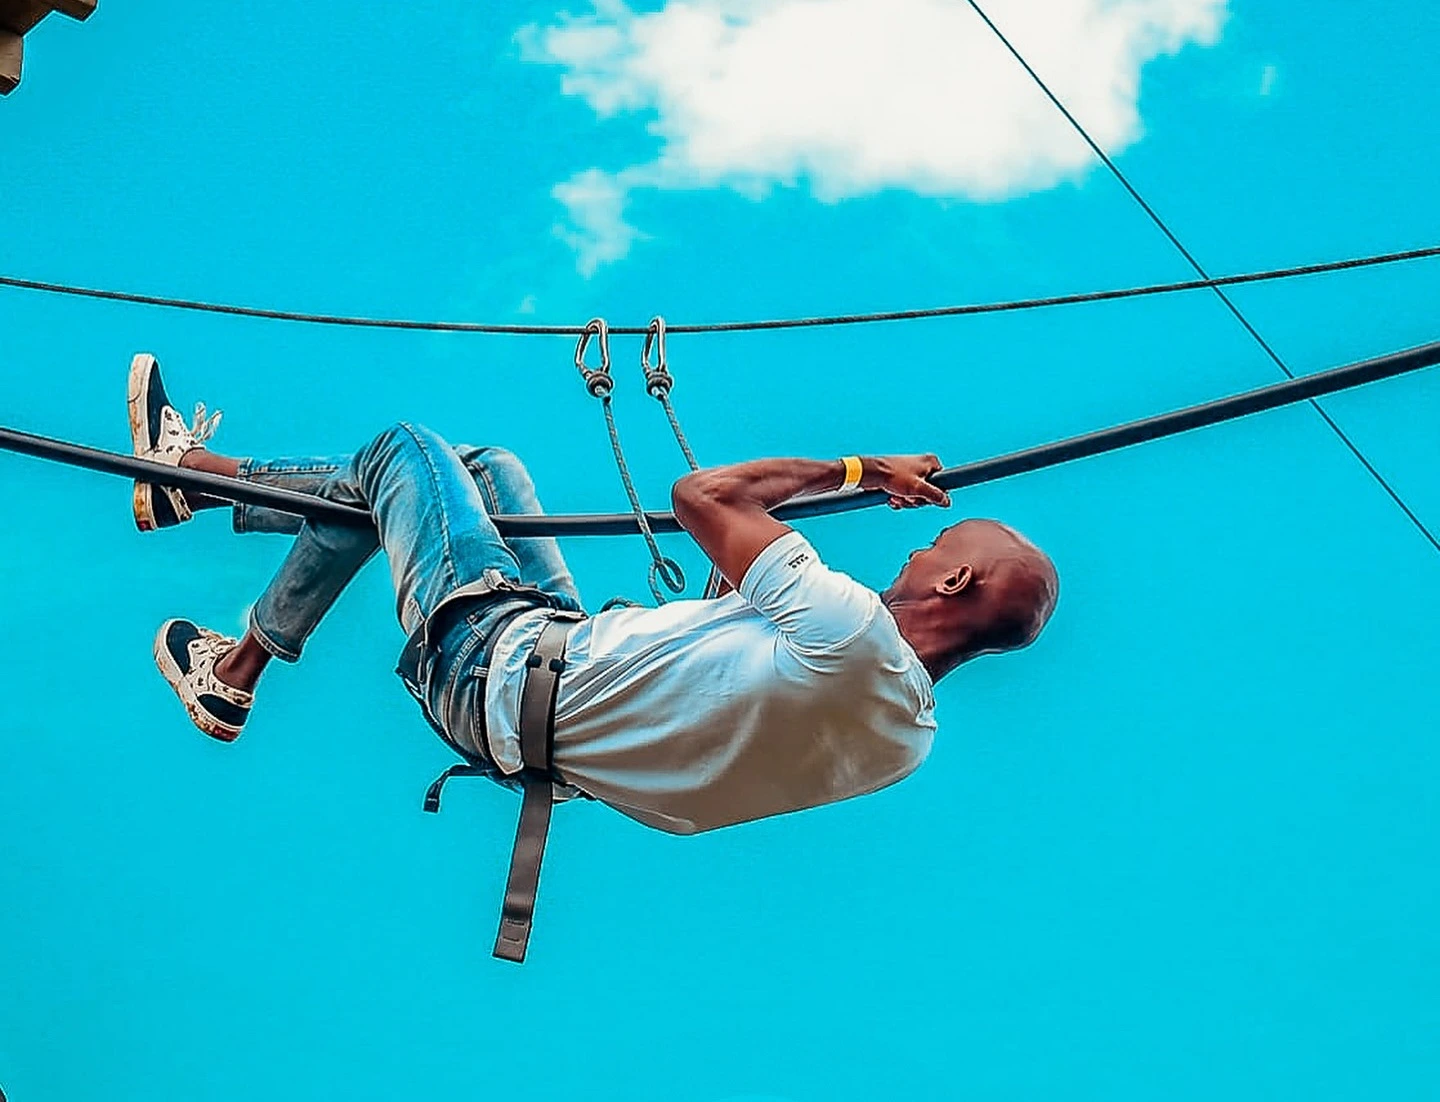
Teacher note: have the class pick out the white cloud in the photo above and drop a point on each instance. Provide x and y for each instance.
(597, 231)
(854, 96)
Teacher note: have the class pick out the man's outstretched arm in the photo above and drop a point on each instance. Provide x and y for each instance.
(727, 509)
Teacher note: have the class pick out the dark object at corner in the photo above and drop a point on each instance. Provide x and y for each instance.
(17, 19)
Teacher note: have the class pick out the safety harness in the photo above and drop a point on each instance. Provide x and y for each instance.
(547, 659)
(537, 749)
(537, 752)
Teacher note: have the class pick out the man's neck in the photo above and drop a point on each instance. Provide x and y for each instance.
(929, 627)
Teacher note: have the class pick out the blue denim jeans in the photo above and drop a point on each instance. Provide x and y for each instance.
(432, 505)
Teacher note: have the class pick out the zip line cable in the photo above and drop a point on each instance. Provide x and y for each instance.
(1199, 269)
(1288, 392)
(818, 321)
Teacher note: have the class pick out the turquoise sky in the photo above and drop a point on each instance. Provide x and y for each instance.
(1184, 848)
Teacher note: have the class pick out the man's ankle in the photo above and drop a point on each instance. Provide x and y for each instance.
(242, 667)
(226, 674)
(239, 670)
(202, 459)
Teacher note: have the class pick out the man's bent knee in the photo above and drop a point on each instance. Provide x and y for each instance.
(501, 474)
(403, 434)
(501, 462)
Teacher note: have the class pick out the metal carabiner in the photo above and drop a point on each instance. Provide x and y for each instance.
(598, 380)
(658, 379)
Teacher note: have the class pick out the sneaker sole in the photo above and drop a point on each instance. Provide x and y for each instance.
(176, 680)
(137, 402)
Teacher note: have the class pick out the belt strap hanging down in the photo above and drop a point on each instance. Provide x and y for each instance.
(537, 746)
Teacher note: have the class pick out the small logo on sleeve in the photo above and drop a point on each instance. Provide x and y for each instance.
(803, 557)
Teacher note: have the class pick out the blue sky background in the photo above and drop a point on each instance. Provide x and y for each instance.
(1183, 848)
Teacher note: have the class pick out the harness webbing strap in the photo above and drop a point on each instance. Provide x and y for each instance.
(437, 787)
(537, 745)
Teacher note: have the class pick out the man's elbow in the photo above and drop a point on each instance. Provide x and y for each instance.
(698, 493)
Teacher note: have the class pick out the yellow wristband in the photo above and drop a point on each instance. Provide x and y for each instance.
(853, 471)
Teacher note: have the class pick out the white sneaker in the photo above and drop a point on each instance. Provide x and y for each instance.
(159, 433)
(186, 654)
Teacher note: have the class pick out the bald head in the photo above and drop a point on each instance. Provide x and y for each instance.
(980, 588)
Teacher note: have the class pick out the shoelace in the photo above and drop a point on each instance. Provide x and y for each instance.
(203, 427)
(217, 644)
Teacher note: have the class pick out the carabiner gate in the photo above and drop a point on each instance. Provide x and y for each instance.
(597, 379)
(658, 379)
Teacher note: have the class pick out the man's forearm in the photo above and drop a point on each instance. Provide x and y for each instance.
(727, 509)
(767, 483)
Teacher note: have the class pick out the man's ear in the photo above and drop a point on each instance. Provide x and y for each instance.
(954, 582)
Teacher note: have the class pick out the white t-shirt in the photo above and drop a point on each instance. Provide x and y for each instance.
(798, 690)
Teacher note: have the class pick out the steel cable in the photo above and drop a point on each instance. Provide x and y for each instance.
(1199, 270)
(601, 384)
(658, 382)
(818, 321)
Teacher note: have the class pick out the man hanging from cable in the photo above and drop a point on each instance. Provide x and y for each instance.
(798, 687)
